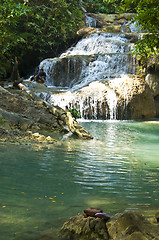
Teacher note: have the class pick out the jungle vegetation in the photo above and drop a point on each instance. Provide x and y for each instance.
(33, 30)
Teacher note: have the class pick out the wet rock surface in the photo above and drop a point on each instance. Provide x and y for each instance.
(131, 97)
(128, 225)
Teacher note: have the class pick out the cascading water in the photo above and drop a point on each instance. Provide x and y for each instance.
(90, 22)
(99, 57)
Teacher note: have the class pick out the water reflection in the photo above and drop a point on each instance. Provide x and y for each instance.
(116, 170)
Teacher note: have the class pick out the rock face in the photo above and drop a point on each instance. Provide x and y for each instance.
(24, 111)
(153, 81)
(25, 137)
(109, 22)
(135, 99)
(123, 226)
(82, 228)
(130, 97)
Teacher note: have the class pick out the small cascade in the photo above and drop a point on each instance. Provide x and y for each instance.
(90, 22)
(96, 101)
(92, 64)
(112, 103)
(100, 56)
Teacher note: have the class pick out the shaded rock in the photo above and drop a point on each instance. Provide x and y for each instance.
(112, 28)
(157, 216)
(22, 112)
(133, 37)
(86, 31)
(153, 81)
(82, 228)
(15, 120)
(135, 98)
(25, 137)
(110, 19)
(130, 225)
(136, 236)
(123, 224)
(64, 117)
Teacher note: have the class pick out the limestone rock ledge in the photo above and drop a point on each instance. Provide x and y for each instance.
(23, 115)
(27, 137)
(128, 225)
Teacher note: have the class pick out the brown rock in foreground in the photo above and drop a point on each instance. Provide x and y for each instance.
(128, 225)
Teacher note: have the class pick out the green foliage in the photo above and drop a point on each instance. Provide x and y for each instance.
(102, 6)
(75, 113)
(147, 19)
(10, 14)
(35, 28)
(2, 120)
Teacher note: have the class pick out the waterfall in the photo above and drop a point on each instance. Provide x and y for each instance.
(90, 22)
(100, 57)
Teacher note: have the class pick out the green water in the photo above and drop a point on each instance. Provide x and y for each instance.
(41, 187)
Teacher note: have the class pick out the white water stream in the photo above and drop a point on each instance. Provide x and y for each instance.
(100, 57)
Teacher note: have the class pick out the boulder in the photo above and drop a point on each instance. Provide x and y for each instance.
(135, 98)
(32, 112)
(22, 112)
(157, 216)
(128, 225)
(153, 81)
(84, 228)
(86, 31)
(103, 20)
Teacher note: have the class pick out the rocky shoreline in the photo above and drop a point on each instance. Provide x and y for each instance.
(23, 116)
(128, 225)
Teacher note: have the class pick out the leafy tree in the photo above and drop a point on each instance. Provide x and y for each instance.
(31, 29)
(10, 14)
(147, 19)
(102, 6)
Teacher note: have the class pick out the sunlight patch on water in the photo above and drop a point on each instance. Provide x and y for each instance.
(42, 187)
